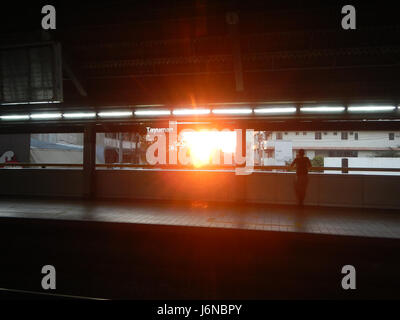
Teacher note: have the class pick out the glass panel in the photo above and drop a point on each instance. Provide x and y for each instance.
(41, 148)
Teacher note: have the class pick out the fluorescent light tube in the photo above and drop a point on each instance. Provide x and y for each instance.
(233, 111)
(275, 110)
(322, 109)
(179, 112)
(44, 116)
(77, 115)
(15, 117)
(152, 112)
(114, 114)
(370, 108)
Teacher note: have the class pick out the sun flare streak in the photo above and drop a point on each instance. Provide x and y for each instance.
(205, 145)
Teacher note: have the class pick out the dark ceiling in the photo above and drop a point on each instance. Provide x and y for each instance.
(185, 52)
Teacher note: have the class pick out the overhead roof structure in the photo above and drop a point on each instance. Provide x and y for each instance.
(186, 54)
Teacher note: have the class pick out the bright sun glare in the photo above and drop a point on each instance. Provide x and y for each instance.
(203, 145)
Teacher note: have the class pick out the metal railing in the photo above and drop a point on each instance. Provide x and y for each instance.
(181, 167)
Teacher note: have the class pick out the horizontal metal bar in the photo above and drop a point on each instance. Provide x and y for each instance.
(209, 167)
(57, 295)
(29, 44)
(2, 165)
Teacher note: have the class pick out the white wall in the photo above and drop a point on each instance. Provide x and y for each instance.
(364, 163)
(261, 187)
(324, 190)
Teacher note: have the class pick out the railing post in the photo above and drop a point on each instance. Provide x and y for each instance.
(89, 161)
(345, 165)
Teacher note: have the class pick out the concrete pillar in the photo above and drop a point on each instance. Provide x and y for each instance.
(232, 19)
(120, 147)
(241, 180)
(89, 161)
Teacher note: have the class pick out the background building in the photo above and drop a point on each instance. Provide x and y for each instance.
(323, 145)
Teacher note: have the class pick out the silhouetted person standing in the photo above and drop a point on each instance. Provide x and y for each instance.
(302, 164)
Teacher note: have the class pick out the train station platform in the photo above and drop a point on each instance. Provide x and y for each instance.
(195, 250)
(315, 220)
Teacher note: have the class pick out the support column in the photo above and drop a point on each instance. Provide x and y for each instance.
(89, 161)
(232, 19)
(241, 180)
